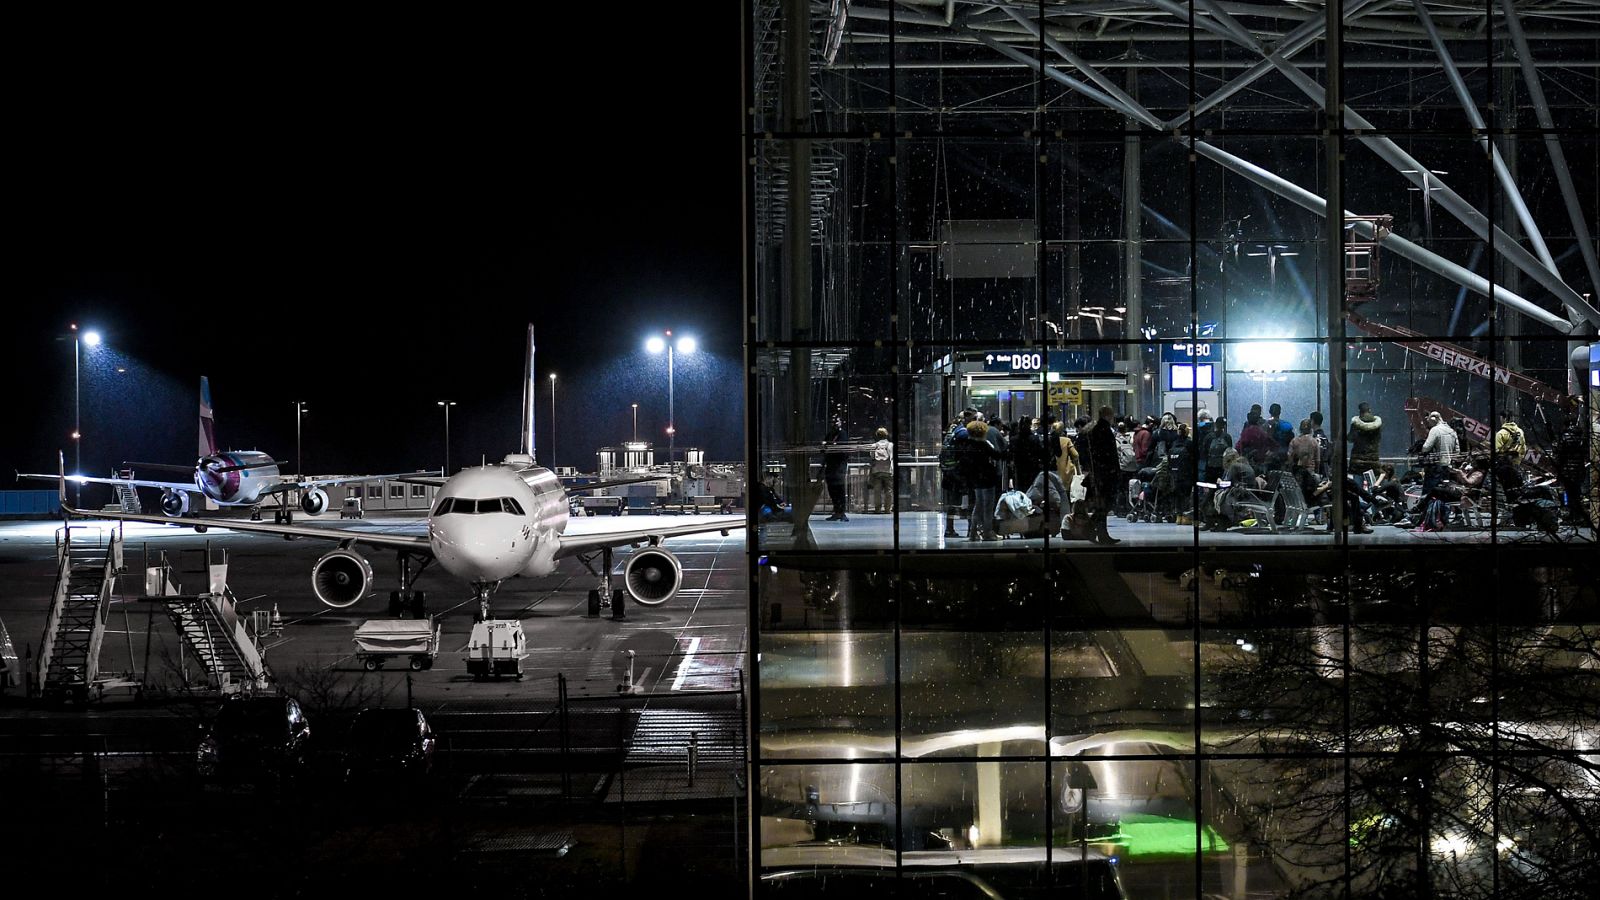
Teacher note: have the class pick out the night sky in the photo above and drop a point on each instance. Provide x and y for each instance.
(364, 214)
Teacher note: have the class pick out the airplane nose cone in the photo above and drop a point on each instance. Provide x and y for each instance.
(472, 548)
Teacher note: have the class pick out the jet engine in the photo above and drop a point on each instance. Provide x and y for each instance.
(314, 502)
(652, 576)
(175, 503)
(341, 578)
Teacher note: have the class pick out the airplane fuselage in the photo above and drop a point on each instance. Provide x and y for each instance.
(490, 523)
(249, 473)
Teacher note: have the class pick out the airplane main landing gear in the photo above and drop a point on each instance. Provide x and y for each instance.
(280, 516)
(406, 601)
(604, 597)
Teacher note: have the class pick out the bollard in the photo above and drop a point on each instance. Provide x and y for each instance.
(694, 754)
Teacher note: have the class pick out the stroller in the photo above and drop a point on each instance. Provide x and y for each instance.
(1151, 495)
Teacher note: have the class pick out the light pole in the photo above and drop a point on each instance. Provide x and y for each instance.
(552, 421)
(446, 404)
(299, 467)
(79, 338)
(636, 423)
(686, 346)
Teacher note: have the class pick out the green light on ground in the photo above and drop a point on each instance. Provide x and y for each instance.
(1151, 836)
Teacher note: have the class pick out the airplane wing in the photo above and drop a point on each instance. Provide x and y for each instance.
(134, 482)
(411, 543)
(574, 544)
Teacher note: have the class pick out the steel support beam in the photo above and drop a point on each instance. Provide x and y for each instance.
(797, 257)
(1129, 105)
(1501, 172)
(1399, 245)
(1558, 159)
(1090, 91)
(1300, 38)
(1390, 152)
(1333, 251)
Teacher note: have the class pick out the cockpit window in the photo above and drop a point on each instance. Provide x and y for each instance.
(464, 506)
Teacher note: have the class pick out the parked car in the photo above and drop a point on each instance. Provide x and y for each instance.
(256, 739)
(388, 742)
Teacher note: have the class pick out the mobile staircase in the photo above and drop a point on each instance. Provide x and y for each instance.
(215, 639)
(127, 495)
(88, 561)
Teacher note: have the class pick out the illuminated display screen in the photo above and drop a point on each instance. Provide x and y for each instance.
(1193, 377)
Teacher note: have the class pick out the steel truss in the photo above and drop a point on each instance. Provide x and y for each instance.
(1014, 31)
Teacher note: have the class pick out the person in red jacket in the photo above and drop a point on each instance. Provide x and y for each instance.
(1254, 442)
(1142, 437)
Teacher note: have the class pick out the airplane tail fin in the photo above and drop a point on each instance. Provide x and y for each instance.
(529, 399)
(208, 425)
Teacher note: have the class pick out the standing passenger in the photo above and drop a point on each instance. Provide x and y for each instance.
(880, 481)
(1103, 471)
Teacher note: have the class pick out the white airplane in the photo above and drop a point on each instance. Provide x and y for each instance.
(231, 477)
(489, 523)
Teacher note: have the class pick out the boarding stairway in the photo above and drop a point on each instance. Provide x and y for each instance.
(127, 497)
(88, 561)
(215, 639)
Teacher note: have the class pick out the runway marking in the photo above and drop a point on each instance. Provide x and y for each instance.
(685, 663)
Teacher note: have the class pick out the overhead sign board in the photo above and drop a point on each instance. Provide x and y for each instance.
(1022, 362)
(1190, 351)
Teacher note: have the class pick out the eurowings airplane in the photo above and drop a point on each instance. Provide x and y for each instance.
(231, 477)
(489, 523)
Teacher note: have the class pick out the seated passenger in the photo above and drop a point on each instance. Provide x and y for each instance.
(771, 505)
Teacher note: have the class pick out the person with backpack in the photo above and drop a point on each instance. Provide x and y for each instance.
(982, 478)
(1510, 446)
(950, 476)
(1255, 444)
(1202, 432)
(1215, 448)
(1127, 468)
(1324, 445)
(880, 478)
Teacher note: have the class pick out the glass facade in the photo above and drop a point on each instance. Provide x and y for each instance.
(1327, 625)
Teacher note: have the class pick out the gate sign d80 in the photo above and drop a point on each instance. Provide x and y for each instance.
(1021, 361)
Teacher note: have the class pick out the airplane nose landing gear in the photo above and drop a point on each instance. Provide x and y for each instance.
(481, 590)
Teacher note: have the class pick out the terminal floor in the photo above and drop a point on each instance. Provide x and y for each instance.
(925, 531)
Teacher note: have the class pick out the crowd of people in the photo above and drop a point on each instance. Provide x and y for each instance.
(1041, 476)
